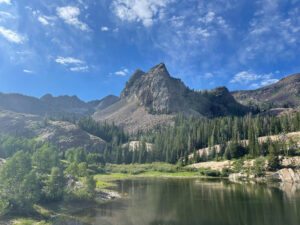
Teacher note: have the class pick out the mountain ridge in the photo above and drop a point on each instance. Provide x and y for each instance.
(284, 93)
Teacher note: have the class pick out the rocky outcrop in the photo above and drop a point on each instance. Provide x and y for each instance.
(153, 98)
(286, 175)
(237, 177)
(2, 161)
(285, 92)
(160, 93)
(61, 134)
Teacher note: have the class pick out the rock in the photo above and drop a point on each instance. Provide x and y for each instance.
(151, 99)
(236, 177)
(108, 195)
(62, 134)
(286, 175)
(2, 161)
(290, 161)
(282, 93)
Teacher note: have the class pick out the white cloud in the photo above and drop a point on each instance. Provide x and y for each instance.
(5, 1)
(43, 20)
(27, 71)
(69, 60)
(123, 72)
(79, 69)
(245, 77)
(272, 32)
(146, 11)
(6, 14)
(104, 28)
(268, 82)
(11, 35)
(70, 15)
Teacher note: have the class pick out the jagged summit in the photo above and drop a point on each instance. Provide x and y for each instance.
(159, 70)
(154, 97)
(156, 89)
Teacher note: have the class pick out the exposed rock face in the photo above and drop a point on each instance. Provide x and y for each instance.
(160, 93)
(62, 134)
(153, 98)
(286, 175)
(155, 90)
(284, 92)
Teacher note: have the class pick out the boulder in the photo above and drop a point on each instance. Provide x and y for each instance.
(286, 175)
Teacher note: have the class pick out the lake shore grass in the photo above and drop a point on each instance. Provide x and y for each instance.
(116, 172)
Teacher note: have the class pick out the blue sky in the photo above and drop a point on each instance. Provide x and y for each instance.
(89, 48)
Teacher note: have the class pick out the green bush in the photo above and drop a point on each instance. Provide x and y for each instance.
(226, 171)
(259, 167)
(209, 172)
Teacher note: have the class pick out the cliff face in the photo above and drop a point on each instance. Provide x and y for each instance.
(155, 90)
(153, 98)
(285, 92)
(160, 93)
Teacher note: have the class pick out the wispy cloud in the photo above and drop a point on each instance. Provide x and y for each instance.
(79, 69)
(145, 11)
(69, 60)
(5, 1)
(11, 35)
(27, 71)
(43, 20)
(246, 77)
(70, 15)
(46, 20)
(74, 65)
(6, 14)
(271, 32)
(104, 28)
(123, 72)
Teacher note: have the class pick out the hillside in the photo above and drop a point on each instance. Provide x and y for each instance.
(53, 106)
(61, 134)
(153, 98)
(286, 92)
(295, 136)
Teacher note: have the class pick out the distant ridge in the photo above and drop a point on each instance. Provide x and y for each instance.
(284, 93)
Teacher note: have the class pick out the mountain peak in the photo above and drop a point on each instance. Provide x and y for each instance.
(159, 70)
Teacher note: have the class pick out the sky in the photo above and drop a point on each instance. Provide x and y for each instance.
(90, 48)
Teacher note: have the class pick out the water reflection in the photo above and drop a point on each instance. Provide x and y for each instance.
(192, 201)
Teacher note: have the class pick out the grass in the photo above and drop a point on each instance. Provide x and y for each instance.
(121, 172)
(25, 221)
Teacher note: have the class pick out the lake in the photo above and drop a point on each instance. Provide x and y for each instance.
(163, 201)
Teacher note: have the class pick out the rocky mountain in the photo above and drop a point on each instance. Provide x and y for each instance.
(106, 102)
(61, 134)
(153, 98)
(284, 93)
(53, 106)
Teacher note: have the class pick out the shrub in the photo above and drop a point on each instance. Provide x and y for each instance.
(259, 167)
(209, 172)
(226, 171)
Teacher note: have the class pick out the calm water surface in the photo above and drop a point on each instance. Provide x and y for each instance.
(161, 201)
